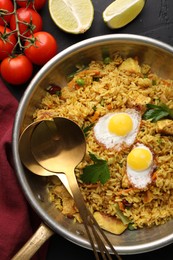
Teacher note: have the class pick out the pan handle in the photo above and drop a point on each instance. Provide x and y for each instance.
(34, 243)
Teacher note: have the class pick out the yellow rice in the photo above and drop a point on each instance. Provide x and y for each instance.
(117, 89)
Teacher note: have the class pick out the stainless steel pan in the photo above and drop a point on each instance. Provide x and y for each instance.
(150, 51)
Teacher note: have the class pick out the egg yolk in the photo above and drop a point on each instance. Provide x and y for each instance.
(120, 124)
(139, 159)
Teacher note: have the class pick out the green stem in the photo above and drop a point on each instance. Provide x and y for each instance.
(17, 26)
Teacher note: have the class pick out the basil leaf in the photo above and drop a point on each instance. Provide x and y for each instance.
(155, 115)
(98, 171)
(157, 112)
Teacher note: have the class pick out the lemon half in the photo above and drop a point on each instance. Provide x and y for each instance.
(72, 16)
(121, 12)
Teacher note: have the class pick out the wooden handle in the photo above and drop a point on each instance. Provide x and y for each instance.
(34, 243)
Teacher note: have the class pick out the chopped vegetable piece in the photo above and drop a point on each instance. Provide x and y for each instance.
(96, 79)
(126, 203)
(80, 82)
(155, 113)
(119, 213)
(154, 82)
(107, 60)
(131, 227)
(94, 108)
(98, 171)
(87, 129)
(95, 116)
(79, 69)
(54, 89)
(102, 102)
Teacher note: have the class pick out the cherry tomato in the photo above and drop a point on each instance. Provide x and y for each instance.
(16, 70)
(35, 4)
(29, 16)
(41, 48)
(7, 42)
(6, 6)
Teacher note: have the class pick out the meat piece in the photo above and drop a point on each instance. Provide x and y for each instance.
(130, 65)
(68, 204)
(165, 127)
(111, 224)
(143, 83)
(139, 102)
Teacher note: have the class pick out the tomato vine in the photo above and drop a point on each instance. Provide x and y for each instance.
(29, 40)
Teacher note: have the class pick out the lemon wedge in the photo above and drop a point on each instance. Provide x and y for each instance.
(121, 12)
(72, 16)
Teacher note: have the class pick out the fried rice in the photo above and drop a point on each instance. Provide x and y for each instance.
(103, 87)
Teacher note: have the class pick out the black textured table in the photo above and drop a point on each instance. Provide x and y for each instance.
(156, 21)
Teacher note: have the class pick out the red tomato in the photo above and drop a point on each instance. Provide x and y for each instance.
(41, 48)
(6, 6)
(35, 4)
(7, 42)
(29, 16)
(16, 70)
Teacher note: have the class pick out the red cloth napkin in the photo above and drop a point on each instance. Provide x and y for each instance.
(17, 220)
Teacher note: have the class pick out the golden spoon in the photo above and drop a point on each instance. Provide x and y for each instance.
(58, 146)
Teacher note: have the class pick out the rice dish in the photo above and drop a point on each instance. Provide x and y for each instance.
(109, 86)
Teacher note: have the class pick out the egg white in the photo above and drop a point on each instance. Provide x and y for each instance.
(111, 140)
(141, 179)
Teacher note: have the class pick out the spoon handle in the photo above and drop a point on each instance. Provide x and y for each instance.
(63, 179)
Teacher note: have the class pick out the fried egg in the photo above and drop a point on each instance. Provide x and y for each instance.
(140, 166)
(118, 130)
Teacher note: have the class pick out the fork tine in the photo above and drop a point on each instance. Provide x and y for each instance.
(100, 244)
(97, 230)
(104, 236)
(91, 241)
(89, 220)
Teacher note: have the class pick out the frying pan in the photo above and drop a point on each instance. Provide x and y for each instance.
(155, 53)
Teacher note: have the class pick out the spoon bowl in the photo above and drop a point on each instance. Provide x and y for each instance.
(57, 144)
(32, 140)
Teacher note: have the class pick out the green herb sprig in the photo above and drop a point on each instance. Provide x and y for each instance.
(98, 171)
(87, 129)
(156, 112)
